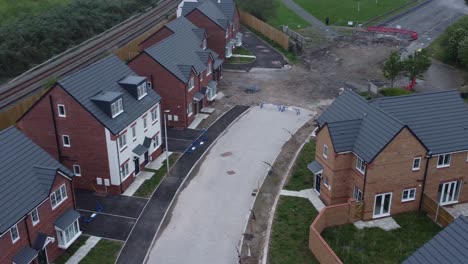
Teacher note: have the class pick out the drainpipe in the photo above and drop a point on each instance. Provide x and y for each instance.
(57, 141)
(118, 160)
(428, 157)
(364, 187)
(27, 230)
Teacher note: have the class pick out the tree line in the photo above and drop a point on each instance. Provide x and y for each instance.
(29, 41)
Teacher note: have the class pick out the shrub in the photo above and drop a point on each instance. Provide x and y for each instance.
(394, 91)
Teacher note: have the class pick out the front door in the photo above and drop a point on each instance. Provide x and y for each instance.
(382, 205)
(195, 106)
(318, 180)
(448, 192)
(136, 162)
(42, 256)
(146, 157)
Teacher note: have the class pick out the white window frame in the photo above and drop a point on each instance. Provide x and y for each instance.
(13, 239)
(204, 43)
(446, 159)
(76, 166)
(68, 139)
(125, 170)
(325, 182)
(61, 234)
(62, 190)
(191, 83)
(201, 76)
(145, 123)
(227, 32)
(408, 195)
(61, 106)
(142, 91)
(156, 141)
(35, 222)
(325, 151)
(382, 203)
(117, 108)
(357, 194)
(209, 68)
(134, 137)
(419, 163)
(190, 109)
(122, 141)
(360, 165)
(154, 115)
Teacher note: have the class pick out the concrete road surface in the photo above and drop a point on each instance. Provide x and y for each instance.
(430, 21)
(211, 212)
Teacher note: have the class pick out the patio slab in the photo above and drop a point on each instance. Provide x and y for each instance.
(458, 209)
(386, 224)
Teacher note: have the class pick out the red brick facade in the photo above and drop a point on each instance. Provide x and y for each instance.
(390, 172)
(28, 232)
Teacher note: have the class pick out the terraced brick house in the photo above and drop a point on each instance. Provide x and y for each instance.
(37, 217)
(181, 68)
(390, 151)
(220, 19)
(102, 122)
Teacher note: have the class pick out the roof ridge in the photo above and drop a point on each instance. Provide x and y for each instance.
(411, 95)
(112, 55)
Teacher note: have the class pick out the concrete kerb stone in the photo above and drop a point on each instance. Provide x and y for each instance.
(169, 208)
(275, 203)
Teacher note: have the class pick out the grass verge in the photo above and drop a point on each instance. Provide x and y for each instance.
(105, 252)
(292, 58)
(148, 186)
(290, 233)
(68, 253)
(239, 60)
(341, 11)
(242, 51)
(374, 245)
(285, 16)
(301, 177)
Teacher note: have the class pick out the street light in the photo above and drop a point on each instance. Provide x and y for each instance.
(165, 134)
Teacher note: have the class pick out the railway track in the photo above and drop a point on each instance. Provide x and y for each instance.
(84, 54)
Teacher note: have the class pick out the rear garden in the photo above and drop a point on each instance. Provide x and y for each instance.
(340, 12)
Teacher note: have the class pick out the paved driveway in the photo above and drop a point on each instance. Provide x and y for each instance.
(210, 214)
(179, 140)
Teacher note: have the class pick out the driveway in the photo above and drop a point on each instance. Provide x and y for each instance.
(210, 214)
(267, 56)
(179, 140)
(429, 20)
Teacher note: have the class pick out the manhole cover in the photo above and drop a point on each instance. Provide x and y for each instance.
(226, 154)
(231, 172)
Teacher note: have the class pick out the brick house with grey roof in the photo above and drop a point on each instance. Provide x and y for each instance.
(182, 69)
(37, 217)
(388, 152)
(220, 19)
(102, 122)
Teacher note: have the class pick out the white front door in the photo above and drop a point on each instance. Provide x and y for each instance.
(382, 205)
(448, 192)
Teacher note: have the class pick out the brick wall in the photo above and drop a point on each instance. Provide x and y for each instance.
(216, 35)
(87, 136)
(47, 217)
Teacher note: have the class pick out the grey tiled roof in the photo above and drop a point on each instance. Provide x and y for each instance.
(439, 119)
(66, 219)
(376, 129)
(314, 166)
(28, 173)
(449, 246)
(228, 7)
(25, 256)
(104, 76)
(181, 52)
(209, 9)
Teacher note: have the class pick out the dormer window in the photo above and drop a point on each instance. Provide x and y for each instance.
(204, 43)
(117, 108)
(142, 91)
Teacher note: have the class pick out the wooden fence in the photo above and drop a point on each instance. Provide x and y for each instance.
(10, 115)
(436, 212)
(268, 31)
(332, 216)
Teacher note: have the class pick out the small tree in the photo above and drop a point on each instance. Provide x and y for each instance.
(392, 67)
(462, 55)
(416, 65)
(455, 38)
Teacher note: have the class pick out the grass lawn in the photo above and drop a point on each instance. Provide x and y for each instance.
(105, 252)
(285, 16)
(290, 233)
(342, 11)
(71, 250)
(148, 186)
(242, 51)
(11, 9)
(301, 177)
(374, 245)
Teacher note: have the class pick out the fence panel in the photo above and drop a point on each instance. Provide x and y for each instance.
(436, 212)
(268, 31)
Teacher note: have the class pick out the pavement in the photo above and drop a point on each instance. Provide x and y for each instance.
(210, 214)
(267, 56)
(313, 21)
(83, 250)
(147, 225)
(309, 194)
(429, 20)
(458, 209)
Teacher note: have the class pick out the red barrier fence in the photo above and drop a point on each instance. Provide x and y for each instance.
(412, 34)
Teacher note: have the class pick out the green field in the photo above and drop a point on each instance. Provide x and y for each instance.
(285, 16)
(11, 9)
(342, 11)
